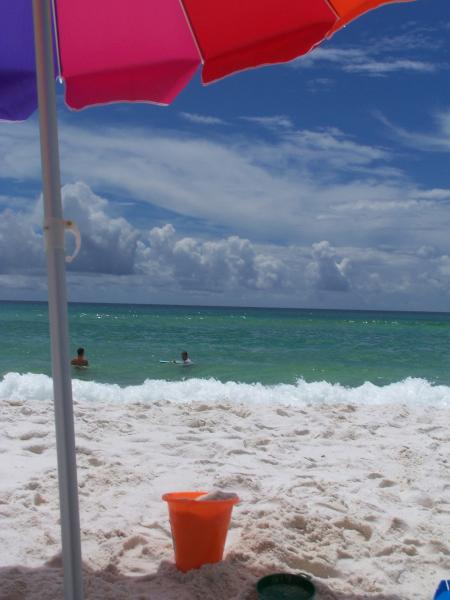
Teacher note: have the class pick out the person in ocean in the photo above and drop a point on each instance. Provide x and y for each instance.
(185, 359)
(80, 359)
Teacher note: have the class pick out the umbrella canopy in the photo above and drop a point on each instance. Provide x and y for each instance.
(149, 51)
(146, 50)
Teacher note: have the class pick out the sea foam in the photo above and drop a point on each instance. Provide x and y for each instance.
(29, 387)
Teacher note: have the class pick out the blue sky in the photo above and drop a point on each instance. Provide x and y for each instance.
(321, 183)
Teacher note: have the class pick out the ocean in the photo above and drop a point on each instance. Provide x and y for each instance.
(288, 348)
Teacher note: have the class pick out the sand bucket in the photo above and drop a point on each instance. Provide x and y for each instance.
(286, 586)
(199, 528)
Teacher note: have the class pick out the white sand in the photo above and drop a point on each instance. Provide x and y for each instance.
(355, 495)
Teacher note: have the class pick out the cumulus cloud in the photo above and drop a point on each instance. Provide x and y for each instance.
(206, 265)
(113, 249)
(127, 264)
(108, 244)
(326, 271)
(21, 246)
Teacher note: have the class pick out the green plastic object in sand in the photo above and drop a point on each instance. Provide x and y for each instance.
(286, 586)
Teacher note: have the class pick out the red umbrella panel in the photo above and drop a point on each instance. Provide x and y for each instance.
(236, 35)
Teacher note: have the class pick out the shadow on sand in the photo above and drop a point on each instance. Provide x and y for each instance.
(228, 580)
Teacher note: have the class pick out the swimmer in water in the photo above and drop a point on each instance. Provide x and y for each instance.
(80, 360)
(185, 360)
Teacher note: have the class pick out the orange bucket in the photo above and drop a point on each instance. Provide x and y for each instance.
(199, 528)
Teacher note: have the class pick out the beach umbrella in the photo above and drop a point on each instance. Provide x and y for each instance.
(141, 50)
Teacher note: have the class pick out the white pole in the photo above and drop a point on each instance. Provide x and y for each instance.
(57, 303)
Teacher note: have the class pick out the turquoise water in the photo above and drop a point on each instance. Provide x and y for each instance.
(124, 344)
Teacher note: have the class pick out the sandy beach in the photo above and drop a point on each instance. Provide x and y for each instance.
(354, 494)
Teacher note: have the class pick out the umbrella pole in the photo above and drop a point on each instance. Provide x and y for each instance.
(57, 303)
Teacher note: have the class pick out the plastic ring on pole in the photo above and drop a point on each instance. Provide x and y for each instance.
(72, 227)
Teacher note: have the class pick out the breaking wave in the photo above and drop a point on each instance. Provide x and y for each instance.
(30, 387)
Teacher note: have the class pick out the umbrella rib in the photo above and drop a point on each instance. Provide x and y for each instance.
(55, 31)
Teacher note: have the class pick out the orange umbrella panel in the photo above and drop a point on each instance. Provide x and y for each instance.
(348, 10)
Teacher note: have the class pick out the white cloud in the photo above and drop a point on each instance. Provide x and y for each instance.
(272, 122)
(162, 265)
(336, 56)
(212, 266)
(426, 252)
(23, 287)
(433, 194)
(320, 84)
(14, 202)
(415, 37)
(202, 119)
(273, 198)
(437, 140)
(299, 187)
(112, 247)
(108, 244)
(231, 183)
(21, 247)
(377, 67)
(376, 58)
(326, 271)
